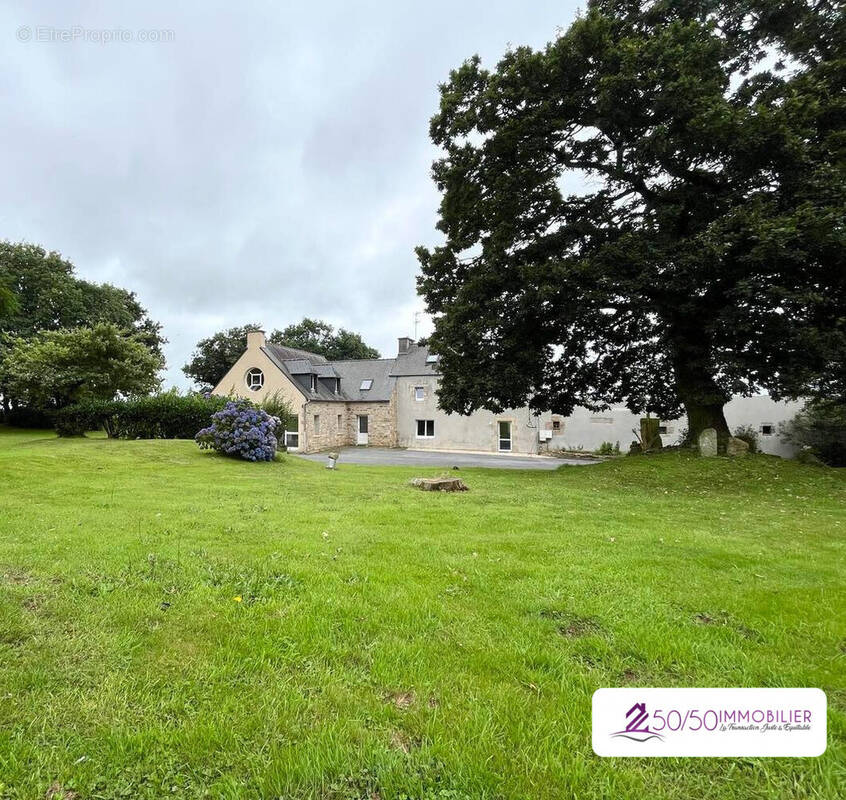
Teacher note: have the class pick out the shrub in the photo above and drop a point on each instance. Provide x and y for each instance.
(90, 415)
(749, 435)
(241, 430)
(607, 449)
(277, 406)
(26, 417)
(163, 416)
(819, 429)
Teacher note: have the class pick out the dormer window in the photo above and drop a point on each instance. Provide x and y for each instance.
(314, 383)
(366, 385)
(337, 385)
(431, 359)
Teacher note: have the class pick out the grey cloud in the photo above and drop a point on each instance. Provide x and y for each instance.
(270, 162)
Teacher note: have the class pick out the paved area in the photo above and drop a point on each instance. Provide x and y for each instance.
(381, 456)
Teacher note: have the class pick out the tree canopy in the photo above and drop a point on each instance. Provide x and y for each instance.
(39, 292)
(48, 296)
(214, 356)
(60, 367)
(320, 337)
(648, 211)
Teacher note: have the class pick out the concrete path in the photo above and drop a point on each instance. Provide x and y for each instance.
(386, 457)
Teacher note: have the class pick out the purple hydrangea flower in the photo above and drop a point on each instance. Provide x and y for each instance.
(240, 430)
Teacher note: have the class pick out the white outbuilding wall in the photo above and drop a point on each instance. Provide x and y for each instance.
(588, 430)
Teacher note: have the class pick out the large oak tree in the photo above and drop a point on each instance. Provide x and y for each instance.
(648, 211)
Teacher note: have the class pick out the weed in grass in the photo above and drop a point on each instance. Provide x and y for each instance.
(724, 619)
(572, 625)
(401, 700)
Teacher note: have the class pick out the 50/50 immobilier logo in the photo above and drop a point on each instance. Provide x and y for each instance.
(709, 722)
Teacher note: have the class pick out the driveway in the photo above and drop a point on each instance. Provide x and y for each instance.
(386, 457)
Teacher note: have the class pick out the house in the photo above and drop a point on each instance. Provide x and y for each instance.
(393, 402)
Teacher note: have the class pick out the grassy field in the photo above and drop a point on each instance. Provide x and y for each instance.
(173, 623)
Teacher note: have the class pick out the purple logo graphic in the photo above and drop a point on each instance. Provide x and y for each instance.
(636, 729)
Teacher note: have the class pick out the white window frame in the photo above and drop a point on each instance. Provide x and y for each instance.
(419, 393)
(254, 372)
(366, 385)
(500, 438)
(428, 424)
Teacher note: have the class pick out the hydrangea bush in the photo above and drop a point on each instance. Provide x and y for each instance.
(241, 430)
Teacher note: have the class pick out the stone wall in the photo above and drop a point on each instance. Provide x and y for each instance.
(335, 433)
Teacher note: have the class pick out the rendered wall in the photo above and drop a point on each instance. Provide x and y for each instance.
(589, 430)
(234, 382)
(478, 431)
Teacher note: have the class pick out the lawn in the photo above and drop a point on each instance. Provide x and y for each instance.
(173, 623)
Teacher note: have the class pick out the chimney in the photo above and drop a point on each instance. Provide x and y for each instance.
(255, 339)
(405, 343)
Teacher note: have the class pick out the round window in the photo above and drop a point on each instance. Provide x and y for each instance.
(255, 379)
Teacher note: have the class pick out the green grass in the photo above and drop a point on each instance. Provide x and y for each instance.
(390, 642)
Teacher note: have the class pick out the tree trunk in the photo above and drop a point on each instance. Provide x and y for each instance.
(702, 398)
(707, 415)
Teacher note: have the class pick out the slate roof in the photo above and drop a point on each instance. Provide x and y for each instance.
(352, 374)
(298, 366)
(289, 353)
(414, 363)
(301, 365)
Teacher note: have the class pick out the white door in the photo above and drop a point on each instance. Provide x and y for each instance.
(504, 436)
(361, 438)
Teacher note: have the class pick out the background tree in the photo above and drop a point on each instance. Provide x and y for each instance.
(57, 368)
(704, 255)
(819, 428)
(8, 302)
(213, 357)
(47, 296)
(320, 337)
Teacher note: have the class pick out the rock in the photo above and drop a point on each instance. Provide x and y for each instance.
(708, 442)
(736, 447)
(439, 484)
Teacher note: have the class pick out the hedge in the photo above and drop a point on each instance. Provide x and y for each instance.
(25, 417)
(163, 416)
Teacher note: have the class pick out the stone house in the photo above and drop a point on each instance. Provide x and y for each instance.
(393, 402)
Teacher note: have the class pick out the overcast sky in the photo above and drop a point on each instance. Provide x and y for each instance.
(259, 162)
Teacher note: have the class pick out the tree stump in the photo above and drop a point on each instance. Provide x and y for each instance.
(439, 484)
